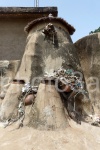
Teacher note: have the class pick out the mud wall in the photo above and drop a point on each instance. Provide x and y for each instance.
(41, 55)
(12, 39)
(88, 49)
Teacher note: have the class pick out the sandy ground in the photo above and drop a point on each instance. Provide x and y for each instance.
(75, 137)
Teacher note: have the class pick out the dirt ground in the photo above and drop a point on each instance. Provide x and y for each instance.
(75, 137)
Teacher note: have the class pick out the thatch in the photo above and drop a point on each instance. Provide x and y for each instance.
(30, 25)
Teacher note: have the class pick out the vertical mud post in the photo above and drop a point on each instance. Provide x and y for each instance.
(49, 109)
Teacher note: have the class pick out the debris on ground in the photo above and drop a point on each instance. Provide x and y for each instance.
(95, 120)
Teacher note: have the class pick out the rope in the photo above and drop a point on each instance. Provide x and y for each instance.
(53, 39)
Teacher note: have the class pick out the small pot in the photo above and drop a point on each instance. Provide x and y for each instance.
(29, 99)
(66, 88)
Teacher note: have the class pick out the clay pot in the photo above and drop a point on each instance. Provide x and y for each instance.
(29, 99)
(66, 88)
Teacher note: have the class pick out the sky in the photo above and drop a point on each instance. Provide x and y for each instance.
(83, 15)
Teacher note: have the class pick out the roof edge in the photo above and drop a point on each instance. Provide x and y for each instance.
(23, 10)
(69, 27)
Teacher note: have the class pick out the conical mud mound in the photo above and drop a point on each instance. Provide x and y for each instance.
(48, 49)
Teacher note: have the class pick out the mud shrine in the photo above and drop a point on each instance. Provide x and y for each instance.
(43, 79)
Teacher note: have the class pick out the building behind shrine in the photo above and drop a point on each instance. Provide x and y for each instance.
(12, 23)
